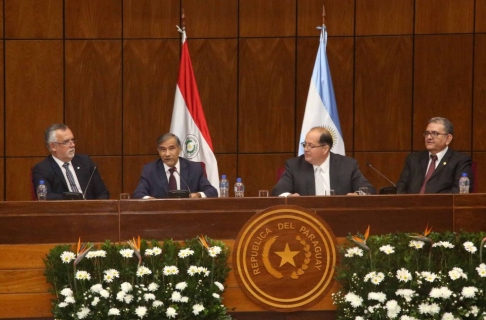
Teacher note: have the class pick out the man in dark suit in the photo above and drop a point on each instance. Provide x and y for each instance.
(437, 169)
(171, 172)
(318, 170)
(65, 171)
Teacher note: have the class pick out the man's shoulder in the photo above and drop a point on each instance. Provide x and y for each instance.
(459, 155)
(44, 163)
(341, 158)
(152, 164)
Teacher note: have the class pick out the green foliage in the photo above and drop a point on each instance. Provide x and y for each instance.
(199, 280)
(439, 291)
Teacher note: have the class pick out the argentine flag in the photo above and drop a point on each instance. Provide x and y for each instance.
(321, 108)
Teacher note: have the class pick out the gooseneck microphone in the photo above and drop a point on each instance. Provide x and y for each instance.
(175, 170)
(381, 174)
(89, 181)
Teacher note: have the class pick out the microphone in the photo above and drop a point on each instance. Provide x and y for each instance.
(89, 181)
(381, 174)
(180, 193)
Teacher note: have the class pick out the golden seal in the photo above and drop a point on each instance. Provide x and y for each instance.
(284, 258)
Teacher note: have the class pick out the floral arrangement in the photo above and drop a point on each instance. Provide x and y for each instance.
(139, 280)
(412, 276)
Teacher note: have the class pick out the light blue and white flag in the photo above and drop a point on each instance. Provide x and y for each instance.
(321, 108)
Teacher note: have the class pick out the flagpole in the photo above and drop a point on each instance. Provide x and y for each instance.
(323, 16)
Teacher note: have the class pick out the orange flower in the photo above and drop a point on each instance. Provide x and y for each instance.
(362, 241)
(204, 243)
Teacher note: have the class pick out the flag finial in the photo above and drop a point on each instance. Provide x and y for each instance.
(183, 18)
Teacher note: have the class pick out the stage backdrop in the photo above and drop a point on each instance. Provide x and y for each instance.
(108, 69)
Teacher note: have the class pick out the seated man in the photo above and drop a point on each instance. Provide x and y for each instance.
(172, 172)
(65, 171)
(437, 169)
(319, 170)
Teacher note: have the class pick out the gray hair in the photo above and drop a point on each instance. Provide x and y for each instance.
(448, 127)
(163, 138)
(50, 134)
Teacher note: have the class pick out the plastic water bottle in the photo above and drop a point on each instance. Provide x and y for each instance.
(464, 184)
(41, 191)
(239, 189)
(224, 187)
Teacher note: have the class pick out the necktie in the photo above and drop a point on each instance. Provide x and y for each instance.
(429, 172)
(70, 177)
(172, 180)
(319, 182)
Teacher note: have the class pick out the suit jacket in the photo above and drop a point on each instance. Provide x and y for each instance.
(49, 171)
(445, 178)
(344, 175)
(154, 183)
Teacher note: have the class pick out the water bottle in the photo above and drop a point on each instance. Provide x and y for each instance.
(464, 184)
(224, 187)
(239, 188)
(41, 191)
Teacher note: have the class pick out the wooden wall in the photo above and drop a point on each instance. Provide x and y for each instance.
(108, 69)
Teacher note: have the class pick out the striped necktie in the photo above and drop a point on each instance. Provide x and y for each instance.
(70, 177)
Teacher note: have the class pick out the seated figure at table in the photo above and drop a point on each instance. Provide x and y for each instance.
(319, 170)
(437, 169)
(172, 172)
(66, 171)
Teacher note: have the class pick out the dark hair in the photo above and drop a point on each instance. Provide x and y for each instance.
(167, 136)
(448, 127)
(326, 138)
(49, 134)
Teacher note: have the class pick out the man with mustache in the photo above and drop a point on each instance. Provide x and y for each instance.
(65, 171)
(172, 172)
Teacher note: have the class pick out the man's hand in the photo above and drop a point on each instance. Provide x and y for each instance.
(294, 195)
(195, 195)
(148, 197)
(353, 194)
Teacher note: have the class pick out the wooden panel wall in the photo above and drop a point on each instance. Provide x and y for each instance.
(108, 69)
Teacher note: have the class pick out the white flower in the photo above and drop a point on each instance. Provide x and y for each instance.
(153, 287)
(176, 296)
(141, 312)
(442, 292)
(449, 316)
(214, 251)
(149, 252)
(185, 299)
(404, 317)
(197, 308)
(104, 293)
(67, 292)
(126, 287)
(404, 275)
(393, 309)
(185, 253)
(388, 249)
(111, 274)
(191, 271)
(142, 271)
(126, 253)
(96, 254)
(443, 244)
(171, 312)
(83, 313)
(170, 270)
(83, 275)
(113, 312)
(434, 309)
(120, 295)
(96, 288)
(62, 305)
(67, 256)
(379, 296)
(469, 246)
(149, 296)
(407, 294)
(156, 251)
(219, 285)
(417, 244)
(469, 292)
(474, 310)
(69, 300)
(355, 251)
(457, 273)
(428, 276)
(481, 270)
(128, 298)
(353, 299)
(181, 286)
(217, 296)
(95, 301)
(157, 303)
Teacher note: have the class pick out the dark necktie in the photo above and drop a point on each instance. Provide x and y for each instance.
(70, 177)
(172, 180)
(429, 172)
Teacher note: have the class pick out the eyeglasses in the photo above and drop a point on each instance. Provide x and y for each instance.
(434, 134)
(67, 142)
(305, 145)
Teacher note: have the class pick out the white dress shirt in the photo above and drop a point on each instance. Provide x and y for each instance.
(439, 155)
(73, 172)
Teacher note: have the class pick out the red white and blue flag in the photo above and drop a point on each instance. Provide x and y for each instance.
(188, 120)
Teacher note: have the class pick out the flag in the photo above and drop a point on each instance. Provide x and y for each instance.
(321, 108)
(188, 121)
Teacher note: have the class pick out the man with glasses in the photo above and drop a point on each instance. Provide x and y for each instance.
(318, 170)
(65, 171)
(437, 169)
(171, 172)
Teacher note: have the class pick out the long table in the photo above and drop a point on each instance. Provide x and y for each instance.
(29, 229)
